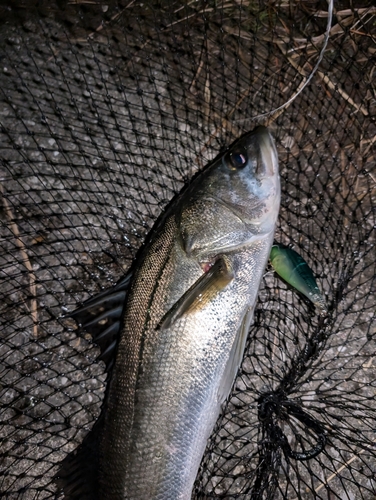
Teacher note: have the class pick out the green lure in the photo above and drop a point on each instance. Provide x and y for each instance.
(296, 272)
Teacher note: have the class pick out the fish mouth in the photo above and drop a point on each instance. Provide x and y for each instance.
(267, 159)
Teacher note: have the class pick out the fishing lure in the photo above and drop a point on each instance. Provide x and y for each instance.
(297, 273)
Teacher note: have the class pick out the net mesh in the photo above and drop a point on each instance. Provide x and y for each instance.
(106, 110)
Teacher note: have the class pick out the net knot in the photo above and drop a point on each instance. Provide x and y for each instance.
(275, 407)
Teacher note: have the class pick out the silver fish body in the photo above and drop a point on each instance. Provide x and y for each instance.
(187, 316)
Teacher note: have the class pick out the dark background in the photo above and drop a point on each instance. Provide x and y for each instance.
(106, 110)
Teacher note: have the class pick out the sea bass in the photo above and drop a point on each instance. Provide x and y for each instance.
(190, 303)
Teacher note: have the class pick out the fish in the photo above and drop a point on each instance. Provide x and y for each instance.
(293, 269)
(188, 306)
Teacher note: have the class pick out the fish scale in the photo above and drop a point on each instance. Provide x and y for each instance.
(186, 320)
(119, 418)
(176, 395)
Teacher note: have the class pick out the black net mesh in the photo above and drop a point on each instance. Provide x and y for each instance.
(107, 108)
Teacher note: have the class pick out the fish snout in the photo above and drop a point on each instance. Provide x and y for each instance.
(266, 151)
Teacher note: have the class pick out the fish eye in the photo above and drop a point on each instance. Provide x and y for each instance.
(237, 159)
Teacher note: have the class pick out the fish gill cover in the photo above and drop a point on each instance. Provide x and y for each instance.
(107, 109)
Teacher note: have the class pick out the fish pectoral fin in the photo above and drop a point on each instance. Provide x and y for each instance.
(201, 292)
(235, 357)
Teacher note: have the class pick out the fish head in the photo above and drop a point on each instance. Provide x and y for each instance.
(236, 200)
(250, 184)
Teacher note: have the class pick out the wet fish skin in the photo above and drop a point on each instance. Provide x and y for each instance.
(188, 311)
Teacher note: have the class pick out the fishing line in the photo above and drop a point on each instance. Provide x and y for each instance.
(277, 111)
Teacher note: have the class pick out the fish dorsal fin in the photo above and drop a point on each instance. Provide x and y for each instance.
(101, 317)
(77, 476)
(235, 357)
